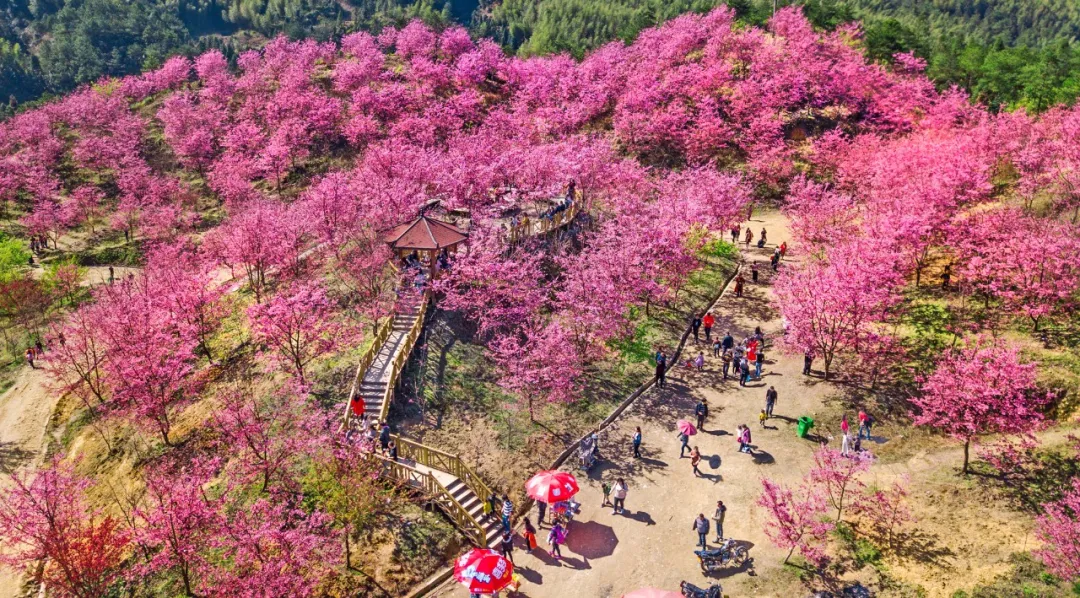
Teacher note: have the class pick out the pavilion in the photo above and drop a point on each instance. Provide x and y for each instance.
(427, 237)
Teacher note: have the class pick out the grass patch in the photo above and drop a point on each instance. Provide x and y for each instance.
(1027, 579)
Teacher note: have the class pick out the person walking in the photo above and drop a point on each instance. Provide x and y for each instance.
(507, 511)
(489, 506)
(701, 526)
(770, 400)
(716, 348)
(507, 545)
(774, 261)
(619, 492)
(749, 237)
(808, 360)
(744, 371)
(30, 357)
(718, 518)
(735, 230)
(764, 238)
(761, 418)
(660, 374)
(530, 535)
(783, 249)
(701, 411)
(728, 343)
(759, 360)
(685, 440)
(556, 537)
(708, 321)
(695, 325)
(726, 359)
(605, 487)
(865, 422)
(739, 282)
(754, 272)
(695, 459)
(845, 427)
(699, 361)
(384, 437)
(845, 444)
(637, 443)
(541, 510)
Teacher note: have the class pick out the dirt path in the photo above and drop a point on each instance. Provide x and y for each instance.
(652, 544)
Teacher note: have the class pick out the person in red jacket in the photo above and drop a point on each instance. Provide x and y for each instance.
(708, 322)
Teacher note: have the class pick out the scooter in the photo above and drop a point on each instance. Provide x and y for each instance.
(715, 558)
(689, 590)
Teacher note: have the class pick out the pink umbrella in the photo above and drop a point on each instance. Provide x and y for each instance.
(686, 427)
(652, 593)
(551, 486)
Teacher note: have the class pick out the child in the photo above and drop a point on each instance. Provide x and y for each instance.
(699, 362)
(530, 535)
(761, 418)
(716, 348)
(606, 487)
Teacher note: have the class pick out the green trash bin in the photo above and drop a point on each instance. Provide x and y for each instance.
(805, 423)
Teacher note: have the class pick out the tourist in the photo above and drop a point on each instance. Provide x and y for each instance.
(637, 443)
(739, 281)
(685, 444)
(744, 438)
(701, 411)
(808, 360)
(749, 237)
(770, 400)
(783, 249)
(735, 230)
(489, 507)
(865, 422)
(541, 510)
(744, 371)
(701, 526)
(605, 487)
(727, 363)
(845, 444)
(695, 324)
(555, 537)
(393, 451)
(718, 518)
(764, 236)
(759, 360)
(660, 374)
(530, 535)
(695, 459)
(619, 492)
(845, 427)
(716, 348)
(754, 272)
(708, 322)
(507, 511)
(507, 545)
(384, 437)
(699, 361)
(30, 357)
(728, 343)
(762, 417)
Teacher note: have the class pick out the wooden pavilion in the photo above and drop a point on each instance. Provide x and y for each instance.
(427, 238)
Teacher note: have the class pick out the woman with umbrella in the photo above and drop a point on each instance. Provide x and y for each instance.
(686, 430)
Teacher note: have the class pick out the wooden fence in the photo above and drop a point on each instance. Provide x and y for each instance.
(404, 351)
(382, 332)
(443, 461)
(437, 494)
(532, 227)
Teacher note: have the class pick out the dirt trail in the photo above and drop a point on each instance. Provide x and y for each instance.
(652, 544)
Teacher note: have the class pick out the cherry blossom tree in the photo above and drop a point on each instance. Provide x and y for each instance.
(796, 521)
(984, 387)
(838, 475)
(1059, 529)
(298, 325)
(265, 436)
(45, 517)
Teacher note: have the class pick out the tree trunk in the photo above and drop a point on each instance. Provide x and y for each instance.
(967, 447)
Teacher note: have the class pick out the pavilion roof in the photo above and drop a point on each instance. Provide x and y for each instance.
(425, 233)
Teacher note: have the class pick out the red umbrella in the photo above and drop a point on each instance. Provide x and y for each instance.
(551, 486)
(483, 571)
(686, 427)
(652, 593)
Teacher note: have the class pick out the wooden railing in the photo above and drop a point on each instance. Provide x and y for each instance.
(382, 332)
(437, 493)
(531, 227)
(402, 357)
(443, 461)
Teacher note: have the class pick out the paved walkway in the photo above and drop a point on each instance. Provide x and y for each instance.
(652, 544)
